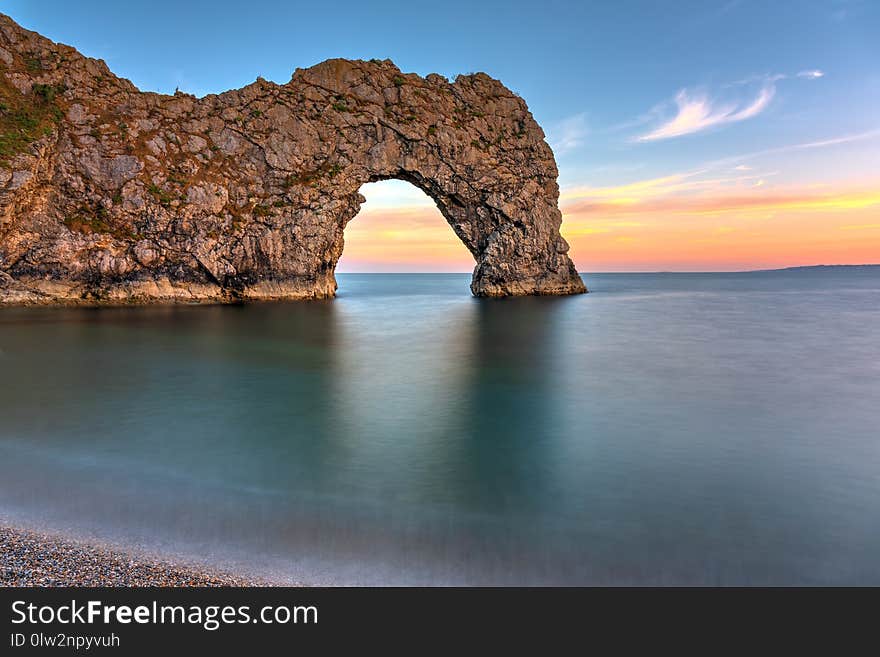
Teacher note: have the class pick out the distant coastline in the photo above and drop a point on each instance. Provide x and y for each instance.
(813, 268)
(796, 269)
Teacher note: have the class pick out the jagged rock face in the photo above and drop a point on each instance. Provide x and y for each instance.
(109, 194)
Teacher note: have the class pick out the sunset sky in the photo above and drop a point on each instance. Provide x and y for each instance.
(689, 135)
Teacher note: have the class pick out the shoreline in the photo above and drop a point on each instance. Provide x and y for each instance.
(36, 558)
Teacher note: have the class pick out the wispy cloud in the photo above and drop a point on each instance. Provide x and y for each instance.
(569, 133)
(699, 192)
(634, 193)
(715, 204)
(846, 9)
(697, 112)
(834, 141)
(868, 135)
(707, 177)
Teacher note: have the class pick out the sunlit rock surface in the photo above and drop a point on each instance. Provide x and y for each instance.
(112, 195)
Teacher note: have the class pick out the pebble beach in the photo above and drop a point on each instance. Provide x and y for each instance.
(30, 558)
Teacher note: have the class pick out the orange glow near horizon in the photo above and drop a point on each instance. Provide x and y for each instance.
(673, 223)
(408, 239)
(676, 224)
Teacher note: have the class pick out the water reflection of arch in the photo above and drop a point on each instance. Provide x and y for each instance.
(510, 418)
(285, 352)
(401, 378)
(449, 401)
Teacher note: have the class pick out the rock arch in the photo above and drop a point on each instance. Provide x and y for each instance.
(127, 196)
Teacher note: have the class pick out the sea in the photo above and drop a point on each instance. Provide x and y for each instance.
(665, 429)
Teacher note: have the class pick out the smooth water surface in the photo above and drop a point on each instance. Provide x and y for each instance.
(665, 429)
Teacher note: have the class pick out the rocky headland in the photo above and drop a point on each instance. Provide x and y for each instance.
(113, 195)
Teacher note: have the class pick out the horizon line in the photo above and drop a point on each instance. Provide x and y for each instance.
(645, 271)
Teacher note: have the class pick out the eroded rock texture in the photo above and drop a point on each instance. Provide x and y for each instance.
(109, 194)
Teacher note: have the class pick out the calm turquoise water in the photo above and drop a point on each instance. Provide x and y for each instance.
(666, 429)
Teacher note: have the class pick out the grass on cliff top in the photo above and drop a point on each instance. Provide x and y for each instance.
(25, 118)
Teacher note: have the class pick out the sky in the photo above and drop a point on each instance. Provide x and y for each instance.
(690, 136)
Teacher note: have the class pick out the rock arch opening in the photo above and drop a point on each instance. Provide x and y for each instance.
(400, 229)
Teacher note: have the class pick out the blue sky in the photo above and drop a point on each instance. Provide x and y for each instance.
(730, 94)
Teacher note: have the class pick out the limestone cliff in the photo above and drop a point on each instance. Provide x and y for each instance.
(113, 195)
